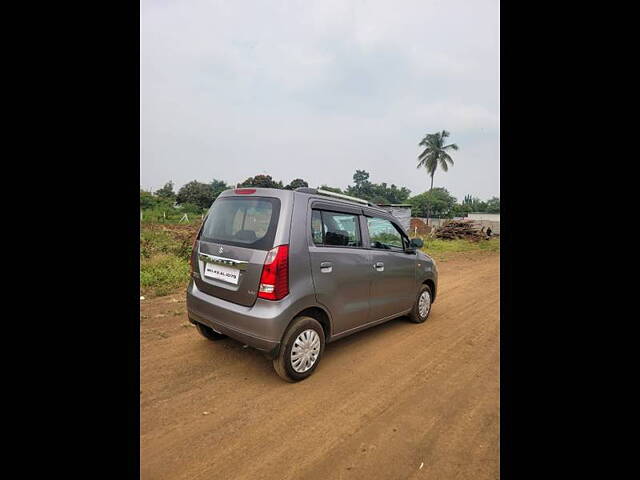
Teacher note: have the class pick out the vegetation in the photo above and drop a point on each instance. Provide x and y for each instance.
(163, 274)
(435, 153)
(376, 193)
(443, 249)
(201, 194)
(473, 204)
(166, 192)
(164, 257)
(437, 202)
(165, 247)
(297, 183)
(262, 181)
(165, 251)
(195, 198)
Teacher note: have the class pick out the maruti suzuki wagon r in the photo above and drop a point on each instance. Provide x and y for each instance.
(288, 271)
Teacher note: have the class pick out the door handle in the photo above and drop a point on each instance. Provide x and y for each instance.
(379, 266)
(326, 267)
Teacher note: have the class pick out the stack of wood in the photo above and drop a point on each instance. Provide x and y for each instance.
(459, 229)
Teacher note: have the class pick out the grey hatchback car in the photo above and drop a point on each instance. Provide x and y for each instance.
(288, 271)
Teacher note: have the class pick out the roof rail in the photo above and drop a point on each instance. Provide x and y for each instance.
(327, 193)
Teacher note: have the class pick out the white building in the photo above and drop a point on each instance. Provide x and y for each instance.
(487, 220)
(492, 217)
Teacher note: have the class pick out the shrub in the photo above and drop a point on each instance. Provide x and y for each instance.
(162, 274)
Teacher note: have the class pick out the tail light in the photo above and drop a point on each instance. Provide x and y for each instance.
(274, 281)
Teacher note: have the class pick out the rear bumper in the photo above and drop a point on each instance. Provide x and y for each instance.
(259, 326)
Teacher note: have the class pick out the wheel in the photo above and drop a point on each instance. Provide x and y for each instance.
(301, 350)
(209, 333)
(422, 307)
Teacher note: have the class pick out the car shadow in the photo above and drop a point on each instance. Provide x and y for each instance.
(257, 364)
(368, 334)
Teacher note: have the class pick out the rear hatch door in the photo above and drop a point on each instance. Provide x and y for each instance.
(234, 242)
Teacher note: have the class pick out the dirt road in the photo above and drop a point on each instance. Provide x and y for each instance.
(383, 402)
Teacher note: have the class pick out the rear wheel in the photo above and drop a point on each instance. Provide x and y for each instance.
(301, 350)
(422, 307)
(209, 333)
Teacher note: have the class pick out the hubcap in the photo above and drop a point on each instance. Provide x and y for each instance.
(424, 304)
(305, 351)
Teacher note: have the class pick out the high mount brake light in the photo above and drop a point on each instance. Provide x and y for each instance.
(244, 191)
(274, 281)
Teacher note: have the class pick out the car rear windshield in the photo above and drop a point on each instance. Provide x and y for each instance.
(243, 221)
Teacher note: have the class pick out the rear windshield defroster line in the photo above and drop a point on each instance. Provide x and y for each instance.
(248, 222)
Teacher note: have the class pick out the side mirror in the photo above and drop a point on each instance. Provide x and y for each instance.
(417, 243)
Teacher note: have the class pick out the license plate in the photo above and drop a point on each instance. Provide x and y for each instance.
(220, 272)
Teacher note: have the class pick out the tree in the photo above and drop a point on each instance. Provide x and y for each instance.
(297, 183)
(147, 200)
(219, 186)
(474, 204)
(376, 193)
(363, 187)
(437, 202)
(493, 205)
(261, 181)
(197, 193)
(166, 191)
(361, 178)
(330, 189)
(461, 210)
(435, 153)
(394, 194)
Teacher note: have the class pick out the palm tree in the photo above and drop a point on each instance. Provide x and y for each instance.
(435, 152)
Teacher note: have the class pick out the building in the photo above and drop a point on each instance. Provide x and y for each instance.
(492, 217)
(401, 211)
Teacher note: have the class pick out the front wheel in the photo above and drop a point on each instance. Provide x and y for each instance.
(301, 349)
(422, 307)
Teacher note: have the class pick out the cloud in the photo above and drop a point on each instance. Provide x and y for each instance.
(317, 89)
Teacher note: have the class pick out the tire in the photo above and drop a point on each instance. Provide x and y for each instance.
(209, 333)
(415, 315)
(283, 363)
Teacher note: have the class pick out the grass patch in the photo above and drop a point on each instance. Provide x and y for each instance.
(442, 248)
(164, 257)
(156, 242)
(163, 274)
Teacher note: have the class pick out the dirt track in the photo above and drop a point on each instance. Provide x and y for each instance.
(382, 402)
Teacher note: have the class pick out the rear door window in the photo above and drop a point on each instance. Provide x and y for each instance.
(243, 222)
(335, 229)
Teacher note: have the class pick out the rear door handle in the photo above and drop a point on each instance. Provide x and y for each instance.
(379, 266)
(326, 267)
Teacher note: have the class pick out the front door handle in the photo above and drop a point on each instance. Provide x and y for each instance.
(326, 267)
(379, 266)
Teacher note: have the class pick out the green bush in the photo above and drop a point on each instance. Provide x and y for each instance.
(163, 274)
(154, 242)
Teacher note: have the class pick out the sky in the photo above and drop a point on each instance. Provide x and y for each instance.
(318, 89)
